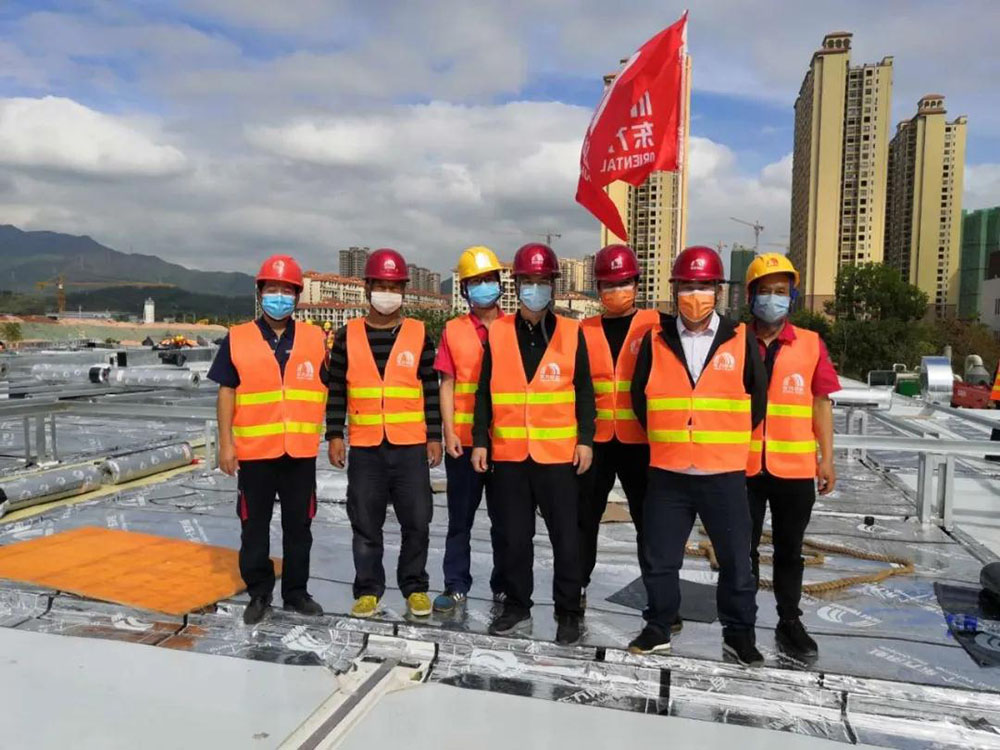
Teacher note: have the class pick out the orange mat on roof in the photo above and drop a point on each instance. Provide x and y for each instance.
(139, 570)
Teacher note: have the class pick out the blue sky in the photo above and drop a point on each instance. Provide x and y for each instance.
(212, 131)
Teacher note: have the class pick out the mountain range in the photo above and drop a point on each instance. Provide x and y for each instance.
(30, 257)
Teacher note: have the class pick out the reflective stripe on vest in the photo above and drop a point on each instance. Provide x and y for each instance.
(612, 380)
(785, 442)
(277, 415)
(536, 419)
(995, 393)
(390, 406)
(706, 427)
(467, 353)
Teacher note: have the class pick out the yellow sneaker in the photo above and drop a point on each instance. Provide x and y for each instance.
(365, 606)
(419, 604)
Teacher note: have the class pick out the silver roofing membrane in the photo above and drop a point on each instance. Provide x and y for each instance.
(889, 673)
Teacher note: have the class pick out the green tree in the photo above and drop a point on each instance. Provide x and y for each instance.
(858, 346)
(966, 337)
(432, 319)
(814, 321)
(11, 333)
(872, 291)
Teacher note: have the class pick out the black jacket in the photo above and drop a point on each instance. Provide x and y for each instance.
(754, 373)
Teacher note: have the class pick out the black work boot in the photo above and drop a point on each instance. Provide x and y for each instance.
(568, 631)
(651, 640)
(741, 646)
(304, 605)
(792, 637)
(510, 622)
(256, 609)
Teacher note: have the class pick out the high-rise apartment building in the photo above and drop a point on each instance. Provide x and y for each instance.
(739, 261)
(352, 262)
(923, 233)
(839, 167)
(655, 215)
(575, 275)
(980, 240)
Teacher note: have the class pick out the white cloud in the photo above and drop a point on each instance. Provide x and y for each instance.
(59, 134)
(982, 186)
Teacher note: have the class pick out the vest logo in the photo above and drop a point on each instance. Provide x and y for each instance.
(405, 359)
(305, 371)
(794, 384)
(551, 373)
(634, 346)
(618, 262)
(724, 361)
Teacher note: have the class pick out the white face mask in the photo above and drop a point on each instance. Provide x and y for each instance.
(387, 302)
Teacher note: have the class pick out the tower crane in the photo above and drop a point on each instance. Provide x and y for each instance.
(60, 284)
(757, 229)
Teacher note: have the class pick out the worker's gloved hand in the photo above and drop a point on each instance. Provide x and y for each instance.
(826, 476)
(479, 460)
(582, 458)
(434, 452)
(227, 459)
(452, 444)
(338, 452)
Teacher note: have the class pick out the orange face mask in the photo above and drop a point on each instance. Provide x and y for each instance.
(618, 300)
(695, 305)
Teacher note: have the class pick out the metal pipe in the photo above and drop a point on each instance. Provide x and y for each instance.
(978, 448)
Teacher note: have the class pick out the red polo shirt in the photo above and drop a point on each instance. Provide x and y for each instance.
(824, 380)
(445, 363)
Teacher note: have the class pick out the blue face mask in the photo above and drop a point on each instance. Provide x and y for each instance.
(536, 297)
(278, 306)
(485, 294)
(771, 307)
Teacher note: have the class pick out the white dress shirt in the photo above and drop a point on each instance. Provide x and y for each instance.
(696, 345)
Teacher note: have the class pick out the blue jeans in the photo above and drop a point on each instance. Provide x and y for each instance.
(720, 500)
(465, 492)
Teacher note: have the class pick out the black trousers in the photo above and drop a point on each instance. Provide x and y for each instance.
(520, 487)
(720, 501)
(630, 463)
(465, 492)
(293, 482)
(377, 477)
(791, 506)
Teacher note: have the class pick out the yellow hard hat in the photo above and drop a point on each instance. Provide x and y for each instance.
(769, 263)
(327, 325)
(475, 261)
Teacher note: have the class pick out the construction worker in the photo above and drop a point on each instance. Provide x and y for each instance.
(536, 401)
(382, 380)
(272, 378)
(620, 447)
(699, 388)
(459, 358)
(784, 468)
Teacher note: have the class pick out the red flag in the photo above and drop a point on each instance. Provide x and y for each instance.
(636, 128)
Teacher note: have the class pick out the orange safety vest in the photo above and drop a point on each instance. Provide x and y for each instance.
(390, 406)
(467, 353)
(995, 393)
(787, 432)
(706, 427)
(612, 380)
(536, 419)
(277, 415)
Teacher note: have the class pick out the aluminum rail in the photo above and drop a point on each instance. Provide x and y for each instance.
(977, 448)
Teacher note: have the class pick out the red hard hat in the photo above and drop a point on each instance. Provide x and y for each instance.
(615, 263)
(281, 268)
(536, 258)
(386, 264)
(698, 263)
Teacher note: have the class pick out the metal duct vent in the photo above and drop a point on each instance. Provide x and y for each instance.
(936, 380)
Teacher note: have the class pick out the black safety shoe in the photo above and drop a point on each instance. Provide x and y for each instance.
(256, 609)
(568, 631)
(304, 605)
(650, 641)
(510, 621)
(741, 646)
(792, 637)
(677, 625)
